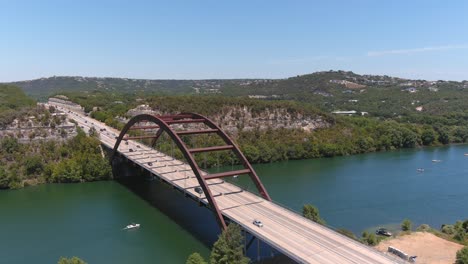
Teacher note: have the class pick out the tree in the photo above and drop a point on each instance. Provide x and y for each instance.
(312, 213)
(74, 260)
(369, 239)
(462, 256)
(406, 225)
(428, 136)
(33, 165)
(444, 137)
(4, 181)
(195, 258)
(10, 145)
(229, 247)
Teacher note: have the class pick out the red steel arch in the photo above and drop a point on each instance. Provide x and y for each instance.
(164, 124)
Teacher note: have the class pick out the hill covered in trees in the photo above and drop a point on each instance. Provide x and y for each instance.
(341, 135)
(381, 96)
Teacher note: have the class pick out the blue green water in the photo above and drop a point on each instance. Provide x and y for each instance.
(365, 191)
(40, 224)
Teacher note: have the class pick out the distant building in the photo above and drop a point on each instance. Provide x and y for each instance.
(410, 90)
(352, 112)
(256, 96)
(419, 108)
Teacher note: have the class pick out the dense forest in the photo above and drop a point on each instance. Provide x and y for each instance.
(13, 103)
(347, 135)
(22, 164)
(76, 160)
(379, 96)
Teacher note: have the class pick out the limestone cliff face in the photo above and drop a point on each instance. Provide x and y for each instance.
(235, 118)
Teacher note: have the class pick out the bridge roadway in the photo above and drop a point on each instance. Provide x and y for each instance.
(300, 239)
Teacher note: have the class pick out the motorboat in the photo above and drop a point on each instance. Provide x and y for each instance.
(436, 160)
(420, 170)
(132, 226)
(466, 154)
(383, 232)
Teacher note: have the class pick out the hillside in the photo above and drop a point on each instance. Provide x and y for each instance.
(381, 96)
(13, 102)
(275, 130)
(13, 98)
(44, 87)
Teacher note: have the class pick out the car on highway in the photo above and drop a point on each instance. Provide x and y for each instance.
(383, 232)
(257, 223)
(198, 190)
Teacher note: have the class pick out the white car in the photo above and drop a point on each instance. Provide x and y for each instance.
(258, 223)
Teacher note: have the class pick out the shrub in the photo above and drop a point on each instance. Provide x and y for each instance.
(406, 225)
(423, 228)
(462, 256)
(371, 240)
(448, 229)
(195, 258)
(312, 213)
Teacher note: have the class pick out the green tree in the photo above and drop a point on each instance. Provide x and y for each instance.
(195, 258)
(312, 213)
(74, 260)
(406, 225)
(428, 136)
(4, 181)
(462, 256)
(229, 247)
(369, 239)
(33, 165)
(10, 145)
(444, 136)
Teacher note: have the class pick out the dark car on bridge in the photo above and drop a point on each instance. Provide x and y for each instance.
(199, 190)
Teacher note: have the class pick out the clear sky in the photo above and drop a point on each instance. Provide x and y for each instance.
(196, 39)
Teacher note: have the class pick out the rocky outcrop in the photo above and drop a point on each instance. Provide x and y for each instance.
(236, 118)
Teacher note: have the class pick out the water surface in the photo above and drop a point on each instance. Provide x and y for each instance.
(361, 192)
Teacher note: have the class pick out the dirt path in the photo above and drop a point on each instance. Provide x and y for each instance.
(429, 248)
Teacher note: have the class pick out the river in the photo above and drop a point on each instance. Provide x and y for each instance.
(40, 224)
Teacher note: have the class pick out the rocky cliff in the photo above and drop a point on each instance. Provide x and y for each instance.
(235, 118)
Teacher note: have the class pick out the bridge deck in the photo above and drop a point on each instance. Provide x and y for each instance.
(300, 239)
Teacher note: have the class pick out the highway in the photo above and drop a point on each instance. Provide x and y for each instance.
(288, 232)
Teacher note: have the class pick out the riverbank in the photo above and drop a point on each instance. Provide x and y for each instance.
(429, 248)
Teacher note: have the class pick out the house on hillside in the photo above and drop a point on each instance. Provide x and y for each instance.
(352, 112)
(410, 90)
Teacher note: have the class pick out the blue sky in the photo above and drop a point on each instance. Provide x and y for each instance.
(197, 39)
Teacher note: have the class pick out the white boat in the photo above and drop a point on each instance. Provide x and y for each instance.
(131, 226)
(466, 154)
(436, 160)
(420, 170)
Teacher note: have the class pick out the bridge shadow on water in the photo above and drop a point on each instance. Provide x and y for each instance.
(197, 220)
